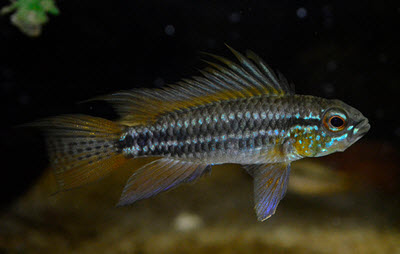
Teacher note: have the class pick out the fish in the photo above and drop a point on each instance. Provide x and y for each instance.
(235, 111)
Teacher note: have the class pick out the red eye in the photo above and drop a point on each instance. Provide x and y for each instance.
(335, 123)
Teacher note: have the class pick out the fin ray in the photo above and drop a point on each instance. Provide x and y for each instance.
(81, 148)
(225, 81)
(270, 183)
(158, 176)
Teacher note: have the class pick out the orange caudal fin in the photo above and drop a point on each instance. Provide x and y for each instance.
(81, 148)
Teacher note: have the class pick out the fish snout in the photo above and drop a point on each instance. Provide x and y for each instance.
(361, 128)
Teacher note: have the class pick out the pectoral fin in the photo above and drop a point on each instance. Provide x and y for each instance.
(270, 184)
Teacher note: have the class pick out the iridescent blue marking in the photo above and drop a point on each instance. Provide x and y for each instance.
(223, 117)
(311, 116)
(311, 143)
(122, 137)
(263, 115)
(329, 144)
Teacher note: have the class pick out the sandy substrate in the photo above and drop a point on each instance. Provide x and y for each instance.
(214, 215)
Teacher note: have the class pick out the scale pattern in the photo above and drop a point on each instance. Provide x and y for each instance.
(247, 130)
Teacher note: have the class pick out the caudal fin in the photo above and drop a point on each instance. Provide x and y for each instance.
(81, 148)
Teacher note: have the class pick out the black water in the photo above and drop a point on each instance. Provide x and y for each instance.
(337, 49)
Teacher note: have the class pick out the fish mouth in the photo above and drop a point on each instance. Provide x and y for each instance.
(362, 127)
(360, 130)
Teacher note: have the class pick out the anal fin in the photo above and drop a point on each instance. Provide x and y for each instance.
(270, 184)
(158, 176)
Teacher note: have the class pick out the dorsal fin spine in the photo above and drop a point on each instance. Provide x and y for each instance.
(248, 78)
(235, 86)
(228, 90)
(232, 78)
(241, 75)
(257, 77)
(267, 71)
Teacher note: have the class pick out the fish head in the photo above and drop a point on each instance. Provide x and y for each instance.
(340, 127)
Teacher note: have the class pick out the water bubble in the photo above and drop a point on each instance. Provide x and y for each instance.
(234, 17)
(301, 12)
(329, 89)
(169, 30)
(328, 16)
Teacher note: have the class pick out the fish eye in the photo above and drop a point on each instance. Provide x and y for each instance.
(335, 121)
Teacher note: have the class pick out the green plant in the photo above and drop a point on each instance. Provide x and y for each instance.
(30, 15)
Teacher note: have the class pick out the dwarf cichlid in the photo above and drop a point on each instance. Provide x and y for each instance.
(234, 113)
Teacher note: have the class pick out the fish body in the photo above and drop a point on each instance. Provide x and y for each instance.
(237, 113)
(261, 129)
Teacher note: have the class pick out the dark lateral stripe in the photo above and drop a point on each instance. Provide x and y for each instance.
(304, 122)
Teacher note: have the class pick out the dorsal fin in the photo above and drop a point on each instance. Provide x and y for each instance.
(248, 78)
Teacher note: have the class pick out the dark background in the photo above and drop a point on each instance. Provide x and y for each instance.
(336, 49)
